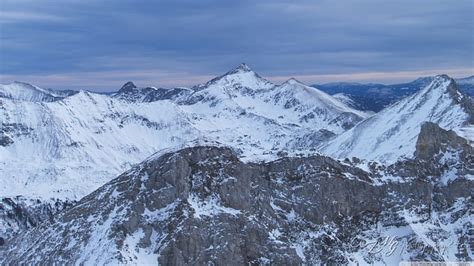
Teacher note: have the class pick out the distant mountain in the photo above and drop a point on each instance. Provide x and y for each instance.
(65, 147)
(466, 85)
(392, 133)
(26, 92)
(129, 92)
(232, 171)
(375, 97)
(349, 101)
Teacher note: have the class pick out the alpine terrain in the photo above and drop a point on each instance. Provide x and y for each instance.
(59, 146)
(235, 171)
(375, 97)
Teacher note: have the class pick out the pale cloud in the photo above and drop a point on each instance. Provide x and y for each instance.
(22, 16)
(54, 42)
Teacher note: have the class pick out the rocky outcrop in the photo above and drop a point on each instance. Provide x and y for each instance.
(347, 120)
(202, 205)
(391, 134)
(127, 87)
(8, 131)
(19, 214)
(434, 140)
(131, 93)
(462, 98)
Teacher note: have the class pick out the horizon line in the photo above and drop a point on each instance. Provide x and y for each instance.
(110, 81)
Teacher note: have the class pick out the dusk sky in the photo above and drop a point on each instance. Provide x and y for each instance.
(99, 45)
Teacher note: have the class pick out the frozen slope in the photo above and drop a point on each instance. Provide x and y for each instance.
(291, 103)
(203, 205)
(69, 147)
(56, 147)
(392, 133)
(26, 92)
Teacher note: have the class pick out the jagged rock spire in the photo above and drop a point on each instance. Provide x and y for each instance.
(129, 86)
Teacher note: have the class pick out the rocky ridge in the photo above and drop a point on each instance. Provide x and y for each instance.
(202, 205)
(391, 134)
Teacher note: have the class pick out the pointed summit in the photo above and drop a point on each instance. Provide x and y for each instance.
(129, 86)
(390, 134)
(241, 76)
(243, 67)
(293, 81)
(445, 84)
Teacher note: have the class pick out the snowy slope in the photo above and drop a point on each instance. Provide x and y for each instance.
(342, 97)
(291, 103)
(69, 147)
(57, 146)
(202, 206)
(26, 92)
(392, 133)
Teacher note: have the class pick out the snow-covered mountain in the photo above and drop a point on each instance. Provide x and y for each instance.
(68, 147)
(202, 205)
(375, 97)
(467, 85)
(351, 101)
(392, 133)
(234, 177)
(131, 93)
(26, 92)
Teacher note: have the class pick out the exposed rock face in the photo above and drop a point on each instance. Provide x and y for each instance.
(434, 140)
(347, 120)
(131, 93)
(19, 214)
(464, 100)
(391, 134)
(441, 156)
(203, 205)
(208, 205)
(128, 87)
(10, 130)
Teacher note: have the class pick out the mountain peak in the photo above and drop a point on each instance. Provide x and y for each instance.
(439, 83)
(446, 84)
(22, 83)
(395, 127)
(129, 86)
(26, 92)
(242, 68)
(241, 76)
(443, 77)
(293, 81)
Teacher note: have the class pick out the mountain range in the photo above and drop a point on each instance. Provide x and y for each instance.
(375, 97)
(62, 145)
(238, 170)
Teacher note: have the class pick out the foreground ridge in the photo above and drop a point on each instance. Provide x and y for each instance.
(203, 205)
